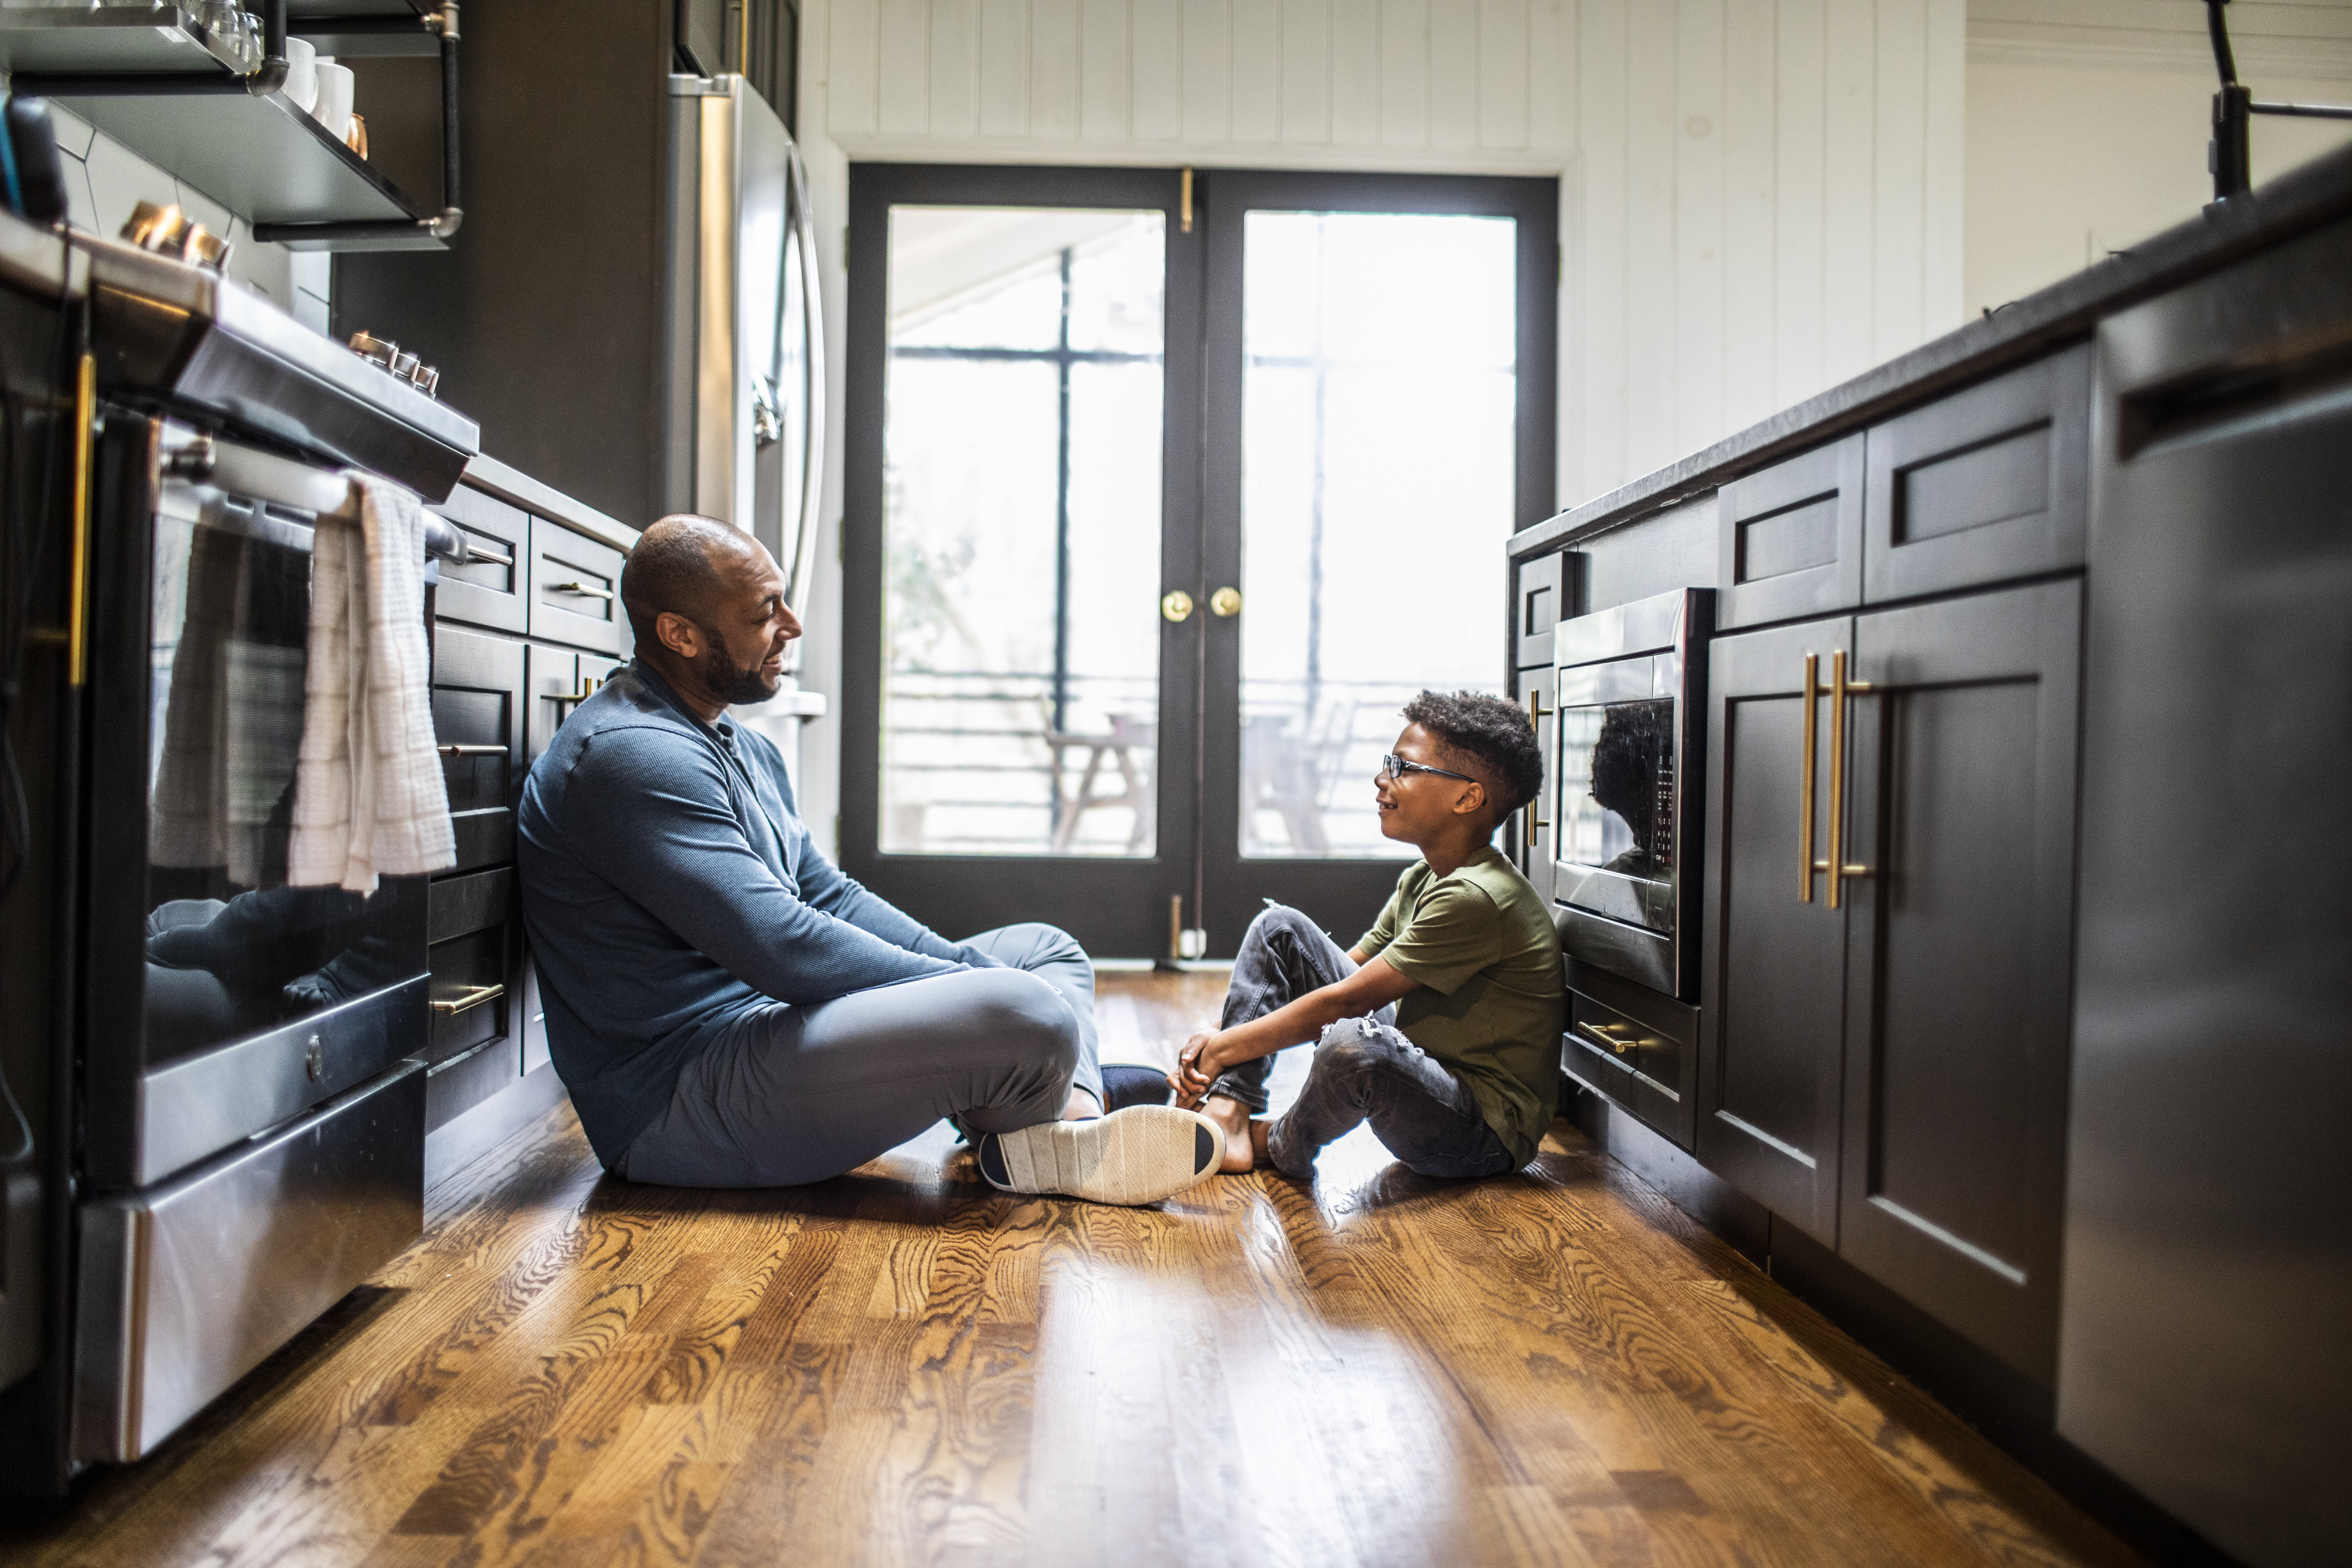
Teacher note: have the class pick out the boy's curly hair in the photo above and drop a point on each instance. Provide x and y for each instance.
(1492, 732)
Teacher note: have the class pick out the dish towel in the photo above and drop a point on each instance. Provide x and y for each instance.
(368, 797)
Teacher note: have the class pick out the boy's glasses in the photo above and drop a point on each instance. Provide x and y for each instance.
(1396, 767)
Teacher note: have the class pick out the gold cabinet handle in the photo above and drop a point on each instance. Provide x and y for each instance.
(587, 689)
(1537, 714)
(1618, 1037)
(471, 751)
(1805, 867)
(1176, 607)
(473, 996)
(1225, 604)
(1841, 688)
(584, 590)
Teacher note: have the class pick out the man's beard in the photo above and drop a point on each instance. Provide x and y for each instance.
(731, 683)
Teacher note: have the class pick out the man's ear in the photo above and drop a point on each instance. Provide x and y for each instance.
(679, 634)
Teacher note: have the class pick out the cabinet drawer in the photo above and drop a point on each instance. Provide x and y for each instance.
(1790, 538)
(1988, 485)
(576, 589)
(487, 590)
(1633, 1048)
(1539, 605)
(478, 712)
(462, 904)
(470, 1003)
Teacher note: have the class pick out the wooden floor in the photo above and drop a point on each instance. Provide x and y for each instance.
(904, 1366)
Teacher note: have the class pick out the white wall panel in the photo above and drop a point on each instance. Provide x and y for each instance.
(1104, 92)
(1208, 71)
(1054, 64)
(1157, 95)
(1500, 85)
(1308, 59)
(1256, 107)
(1355, 73)
(1004, 78)
(1455, 89)
(955, 70)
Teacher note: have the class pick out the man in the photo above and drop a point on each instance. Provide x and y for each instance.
(726, 1007)
(1441, 1026)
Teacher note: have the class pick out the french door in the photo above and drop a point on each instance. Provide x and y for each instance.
(1164, 491)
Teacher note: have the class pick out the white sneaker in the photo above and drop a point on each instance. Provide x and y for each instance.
(1138, 1155)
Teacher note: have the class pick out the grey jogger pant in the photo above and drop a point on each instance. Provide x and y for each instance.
(786, 1095)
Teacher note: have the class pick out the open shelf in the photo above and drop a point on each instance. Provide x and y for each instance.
(260, 157)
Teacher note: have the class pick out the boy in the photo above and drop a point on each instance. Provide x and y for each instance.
(1441, 1026)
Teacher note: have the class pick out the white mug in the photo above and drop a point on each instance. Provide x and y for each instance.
(333, 110)
(301, 87)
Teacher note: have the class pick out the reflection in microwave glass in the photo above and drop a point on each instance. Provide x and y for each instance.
(1618, 767)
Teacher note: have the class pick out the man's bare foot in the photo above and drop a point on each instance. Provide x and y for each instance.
(1243, 1145)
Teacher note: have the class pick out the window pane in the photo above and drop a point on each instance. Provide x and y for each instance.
(1021, 668)
(1377, 460)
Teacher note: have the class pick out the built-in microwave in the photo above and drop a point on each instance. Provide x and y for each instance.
(1628, 770)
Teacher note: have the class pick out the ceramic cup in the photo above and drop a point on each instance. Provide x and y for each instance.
(334, 110)
(301, 74)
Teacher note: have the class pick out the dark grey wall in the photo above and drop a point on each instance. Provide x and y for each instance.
(544, 313)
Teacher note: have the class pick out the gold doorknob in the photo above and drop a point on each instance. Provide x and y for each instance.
(1176, 606)
(1225, 603)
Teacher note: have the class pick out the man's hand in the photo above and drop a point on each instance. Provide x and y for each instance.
(1197, 1067)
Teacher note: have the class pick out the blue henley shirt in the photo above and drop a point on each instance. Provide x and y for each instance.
(668, 888)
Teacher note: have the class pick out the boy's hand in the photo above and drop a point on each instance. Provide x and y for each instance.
(1197, 1067)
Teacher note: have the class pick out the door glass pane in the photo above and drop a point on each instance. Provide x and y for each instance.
(1021, 659)
(1376, 458)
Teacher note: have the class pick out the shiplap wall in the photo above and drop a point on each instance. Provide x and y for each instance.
(1758, 198)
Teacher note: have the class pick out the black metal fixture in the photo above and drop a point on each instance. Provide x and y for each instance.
(2228, 155)
(433, 30)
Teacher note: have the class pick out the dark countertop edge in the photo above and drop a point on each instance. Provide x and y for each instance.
(485, 473)
(2297, 202)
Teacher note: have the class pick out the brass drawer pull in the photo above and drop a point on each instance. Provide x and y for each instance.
(1606, 1035)
(474, 996)
(583, 589)
(471, 751)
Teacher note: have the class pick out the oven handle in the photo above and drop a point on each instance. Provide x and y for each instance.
(264, 476)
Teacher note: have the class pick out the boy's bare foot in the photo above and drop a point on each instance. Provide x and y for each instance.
(1244, 1140)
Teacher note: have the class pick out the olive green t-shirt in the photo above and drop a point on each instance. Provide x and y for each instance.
(1490, 995)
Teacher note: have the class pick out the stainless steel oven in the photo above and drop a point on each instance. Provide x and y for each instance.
(1627, 769)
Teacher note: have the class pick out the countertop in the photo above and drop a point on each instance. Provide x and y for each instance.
(2302, 199)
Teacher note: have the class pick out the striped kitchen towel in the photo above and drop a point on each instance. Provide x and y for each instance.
(368, 797)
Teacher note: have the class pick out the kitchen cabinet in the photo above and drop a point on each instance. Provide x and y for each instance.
(519, 638)
(1887, 996)
(1791, 538)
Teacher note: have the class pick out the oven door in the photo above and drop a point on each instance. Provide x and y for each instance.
(218, 1001)
(1616, 882)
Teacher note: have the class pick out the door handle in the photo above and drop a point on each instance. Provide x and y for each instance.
(465, 1001)
(1176, 607)
(1805, 867)
(471, 751)
(583, 589)
(1225, 603)
(1837, 866)
(1609, 1035)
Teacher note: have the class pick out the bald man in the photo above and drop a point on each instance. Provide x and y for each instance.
(725, 1006)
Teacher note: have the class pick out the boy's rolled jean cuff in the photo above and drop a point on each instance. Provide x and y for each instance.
(1250, 1097)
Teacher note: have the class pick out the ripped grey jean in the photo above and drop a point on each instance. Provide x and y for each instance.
(1365, 1069)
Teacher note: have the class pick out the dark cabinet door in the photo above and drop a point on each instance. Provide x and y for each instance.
(576, 589)
(1531, 830)
(488, 590)
(1773, 991)
(1957, 1003)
